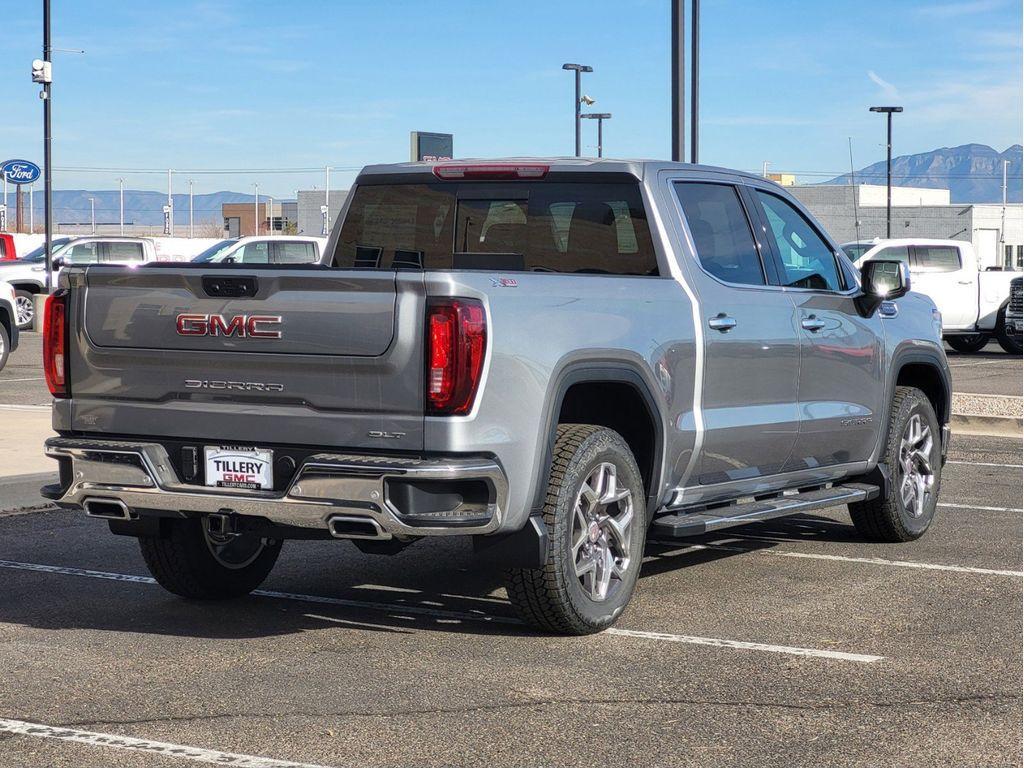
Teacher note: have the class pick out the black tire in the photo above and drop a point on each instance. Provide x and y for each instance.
(21, 296)
(5, 346)
(968, 343)
(1011, 344)
(553, 598)
(887, 518)
(183, 562)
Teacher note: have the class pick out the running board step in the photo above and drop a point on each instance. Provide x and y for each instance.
(677, 525)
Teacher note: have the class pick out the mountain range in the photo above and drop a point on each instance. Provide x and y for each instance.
(973, 173)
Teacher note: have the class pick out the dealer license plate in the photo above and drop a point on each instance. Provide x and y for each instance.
(229, 466)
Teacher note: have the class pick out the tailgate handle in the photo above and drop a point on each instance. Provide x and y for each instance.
(230, 287)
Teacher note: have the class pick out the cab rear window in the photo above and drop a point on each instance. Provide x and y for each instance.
(524, 226)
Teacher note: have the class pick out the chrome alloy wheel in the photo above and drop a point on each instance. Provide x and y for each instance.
(24, 310)
(916, 476)
(602, 530)
(234, 550)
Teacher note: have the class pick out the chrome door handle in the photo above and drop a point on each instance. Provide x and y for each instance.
(721, 322)
(812, 323)
(964, 282)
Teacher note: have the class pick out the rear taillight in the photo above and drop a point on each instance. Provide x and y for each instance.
(490, 171)
(456, 343)
(55, 344)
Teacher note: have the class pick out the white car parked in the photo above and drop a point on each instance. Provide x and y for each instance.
(28, 274)
(8, 326)
(973, 302)
(273, 249)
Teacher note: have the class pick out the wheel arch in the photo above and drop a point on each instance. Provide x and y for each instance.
(636, 416)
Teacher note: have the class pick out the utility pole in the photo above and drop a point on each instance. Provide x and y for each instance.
(888, 112)
(270, 215)
(256, 209)
(190, 210)
(694, 81)
(327, 194)
(764, 169)
(600, 117)
(578, 70)
(678, 82)
(120, 205)
(46, 95)
(170, 206)
(92, 214)
(31, 210)
(1002, 224)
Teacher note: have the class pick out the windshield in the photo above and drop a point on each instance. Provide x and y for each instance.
(856, 250)
(215, 250)
(38, 255)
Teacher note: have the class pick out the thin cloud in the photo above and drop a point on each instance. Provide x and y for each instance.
(965, 8)
(888, 89)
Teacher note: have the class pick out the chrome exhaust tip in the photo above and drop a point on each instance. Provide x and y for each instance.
(108, 509)
(351, 527)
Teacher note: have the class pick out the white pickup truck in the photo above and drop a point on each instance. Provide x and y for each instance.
(973, 302)
(27, 275)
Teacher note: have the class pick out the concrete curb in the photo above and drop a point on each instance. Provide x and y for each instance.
(995, 426)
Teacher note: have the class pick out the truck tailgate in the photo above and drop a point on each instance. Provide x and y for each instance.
(305, 356)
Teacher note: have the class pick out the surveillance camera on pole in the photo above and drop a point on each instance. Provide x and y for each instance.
(325, 230)
(41, 71)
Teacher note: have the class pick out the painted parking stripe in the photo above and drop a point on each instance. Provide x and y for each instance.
(442, 614)
(840, 558)
(163, 748)
(34, 378)
(983, 509)
(985, 464)
(739, 645)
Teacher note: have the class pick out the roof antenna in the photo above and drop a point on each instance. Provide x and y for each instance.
(853, 184)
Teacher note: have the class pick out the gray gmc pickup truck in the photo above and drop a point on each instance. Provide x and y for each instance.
(558, 358)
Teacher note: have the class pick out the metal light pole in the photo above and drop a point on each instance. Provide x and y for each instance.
(31, 210)
(170, 206)
(695, 81)
(270, 215)
(678, 82)
(256, 209)
(47, 153)
(578, 69)
(888, 111)
(120, 205)
(190, 210)
(600, 117)
(92, 214)
(1002, 224)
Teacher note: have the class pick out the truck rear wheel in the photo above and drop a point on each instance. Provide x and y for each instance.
(968, 343)
(191, 562)
(1011, 344)
(596, 518)
(913, 454)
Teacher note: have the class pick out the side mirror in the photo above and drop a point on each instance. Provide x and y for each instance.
(881, 281)
(58, 262)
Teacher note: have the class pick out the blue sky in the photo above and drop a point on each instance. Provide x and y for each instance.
(214, 84)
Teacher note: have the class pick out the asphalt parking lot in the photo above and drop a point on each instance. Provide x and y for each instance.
(791, 643)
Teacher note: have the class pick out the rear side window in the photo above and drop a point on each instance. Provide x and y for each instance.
(590, 228)
(82, 253)
(894, 253)
(252, 253)
(721, 232)
(937, 258)
(295, 252)
(807, 260)
(121, 253)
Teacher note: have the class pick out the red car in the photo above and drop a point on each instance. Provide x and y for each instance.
(7, 251)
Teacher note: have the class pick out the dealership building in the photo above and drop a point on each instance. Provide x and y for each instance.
(858, 213)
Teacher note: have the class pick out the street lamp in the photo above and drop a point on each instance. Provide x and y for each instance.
(256, 209)
(92, 215)
(579, 69)
(888, 111)
(600, 117)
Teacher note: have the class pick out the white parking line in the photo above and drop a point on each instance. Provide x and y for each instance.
(842, 558)
(979, 362)
(985, 464)
(793, 651)
(448, 616)
(983, 509)
(34, 378)
(113, 741)
(11, 407)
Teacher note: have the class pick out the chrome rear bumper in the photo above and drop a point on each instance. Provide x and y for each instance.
(141, 476)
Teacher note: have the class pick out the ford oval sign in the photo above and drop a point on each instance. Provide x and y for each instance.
(19, 171)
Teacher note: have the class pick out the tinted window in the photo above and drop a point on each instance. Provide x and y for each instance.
(807, 260)
(856, 250)
(894, 253)
(215, 250)
(937, 258)
(252, 253)
(721, 232)
(82, 253)
(295, 253)
(124, 252)
(531, 226)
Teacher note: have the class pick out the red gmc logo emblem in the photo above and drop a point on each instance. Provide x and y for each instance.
(242, 326)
